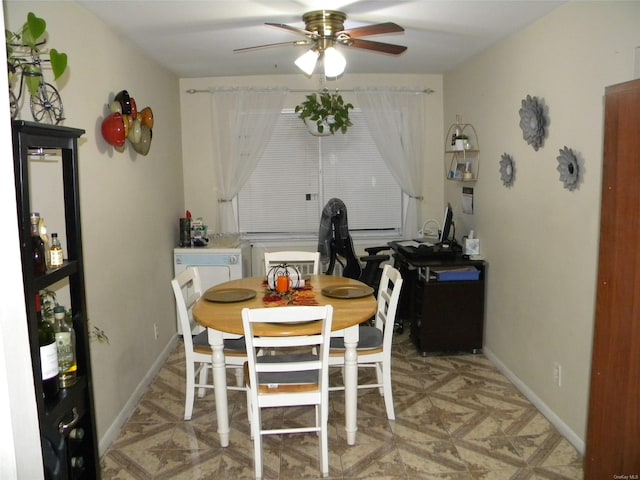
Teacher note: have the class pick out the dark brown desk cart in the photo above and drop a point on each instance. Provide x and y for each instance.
(443, 316)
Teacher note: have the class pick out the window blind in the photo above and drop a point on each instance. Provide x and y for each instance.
(298, 173)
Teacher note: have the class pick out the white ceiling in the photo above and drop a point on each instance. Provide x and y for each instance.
(196, 38)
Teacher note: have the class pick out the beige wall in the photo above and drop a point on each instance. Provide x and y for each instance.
(129, 202)
(540, 239)
(199, 177)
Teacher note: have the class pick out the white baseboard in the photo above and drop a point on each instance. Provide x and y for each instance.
(556, 421)
(114, 430)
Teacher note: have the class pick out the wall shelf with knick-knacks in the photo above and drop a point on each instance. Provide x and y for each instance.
(462, 152)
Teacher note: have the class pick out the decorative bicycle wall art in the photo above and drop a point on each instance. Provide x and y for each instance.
(26, 57)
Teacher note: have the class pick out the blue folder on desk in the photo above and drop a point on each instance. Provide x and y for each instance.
(460, 274)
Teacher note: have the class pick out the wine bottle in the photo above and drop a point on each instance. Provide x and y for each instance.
(39, 259)
(56, 259)
(48, 354)
(66, 346)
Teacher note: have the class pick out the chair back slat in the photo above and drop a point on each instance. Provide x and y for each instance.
(388, 298)
(308, 263)
(187, 290)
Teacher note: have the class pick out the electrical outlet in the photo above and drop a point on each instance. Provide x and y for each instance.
(557, 374)
(155, 331)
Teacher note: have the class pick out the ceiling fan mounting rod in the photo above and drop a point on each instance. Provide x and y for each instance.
(324, 43)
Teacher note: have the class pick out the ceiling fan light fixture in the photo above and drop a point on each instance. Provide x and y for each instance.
(307, 61)
(323, 30)
(334, 63)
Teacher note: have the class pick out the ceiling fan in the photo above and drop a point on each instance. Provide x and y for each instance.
(324, 29)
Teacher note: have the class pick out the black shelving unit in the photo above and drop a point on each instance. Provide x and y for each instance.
(72, 410)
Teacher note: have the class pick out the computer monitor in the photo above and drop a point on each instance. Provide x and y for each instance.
(446, 224)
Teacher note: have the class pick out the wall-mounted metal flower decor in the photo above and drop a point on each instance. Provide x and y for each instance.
(568, 168)
(507, 170)
(533, 121)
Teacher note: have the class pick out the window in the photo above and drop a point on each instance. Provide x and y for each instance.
(298, 173)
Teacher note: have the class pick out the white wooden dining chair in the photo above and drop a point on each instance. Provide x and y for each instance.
(288, 378)
(375, 341)
(308, 263)
(187, 290)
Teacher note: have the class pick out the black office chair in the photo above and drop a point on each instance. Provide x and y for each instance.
(335, 245)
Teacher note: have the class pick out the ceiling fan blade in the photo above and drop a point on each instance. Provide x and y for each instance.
(299, 31)
(377, 29)
(267, 45)
(376, 46)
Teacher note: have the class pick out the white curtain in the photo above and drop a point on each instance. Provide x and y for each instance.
(396, 119)
(242, 121)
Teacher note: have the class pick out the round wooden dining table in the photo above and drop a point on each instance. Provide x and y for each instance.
(223, 319)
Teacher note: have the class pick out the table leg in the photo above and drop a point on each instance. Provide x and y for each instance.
(220, 385)
(351, 384)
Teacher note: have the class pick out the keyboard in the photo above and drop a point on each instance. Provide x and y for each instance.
(426, 250)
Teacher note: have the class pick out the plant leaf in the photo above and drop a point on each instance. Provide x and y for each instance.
(33, 29)
(58, 62)
(10, 37)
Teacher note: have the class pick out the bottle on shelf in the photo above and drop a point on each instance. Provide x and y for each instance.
(66, 346)
(456, 132)
(77, 463)
(39, 255)
(56, 259)
(42, 229)
(48, 354)
(454, 136)
(77, 434)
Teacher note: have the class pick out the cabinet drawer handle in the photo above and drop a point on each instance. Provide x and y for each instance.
(64, 428)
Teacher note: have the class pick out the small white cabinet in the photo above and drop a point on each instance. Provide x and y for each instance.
(462, 153)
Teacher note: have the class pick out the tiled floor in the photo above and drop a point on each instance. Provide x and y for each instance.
(457, 418)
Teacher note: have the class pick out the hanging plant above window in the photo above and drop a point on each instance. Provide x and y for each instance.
(533, 122)
(568, 168)
(325, 113)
